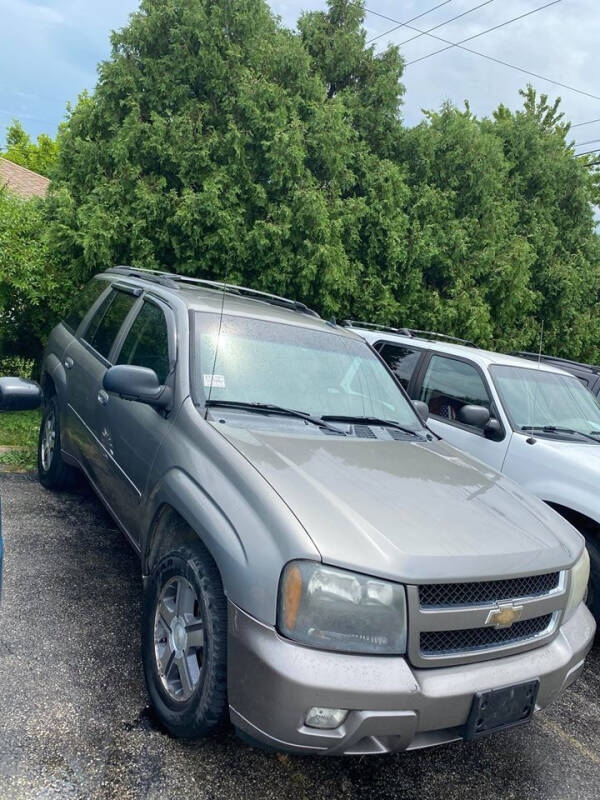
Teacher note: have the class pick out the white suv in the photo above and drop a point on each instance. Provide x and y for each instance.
(534, 422)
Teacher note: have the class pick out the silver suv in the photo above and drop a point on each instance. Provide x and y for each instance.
(319, 567)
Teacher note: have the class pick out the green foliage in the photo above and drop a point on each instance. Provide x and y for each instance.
(219, 144)
(39, 157)
(28, 284)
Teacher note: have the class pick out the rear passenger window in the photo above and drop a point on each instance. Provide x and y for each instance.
(84, 301)
(147, 343)
(449, 385)
(107, 321)
(401, 360)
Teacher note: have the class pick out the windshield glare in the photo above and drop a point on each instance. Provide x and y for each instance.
(537, 398)
(298, 368)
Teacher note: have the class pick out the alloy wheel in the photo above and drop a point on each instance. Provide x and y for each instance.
(179, 638)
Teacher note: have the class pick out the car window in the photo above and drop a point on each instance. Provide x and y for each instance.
(450, 384)
(106, 322)
(84, 300)
(402, 361)
(147, 343)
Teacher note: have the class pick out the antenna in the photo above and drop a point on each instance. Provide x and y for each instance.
(531, 439)
(212, 372)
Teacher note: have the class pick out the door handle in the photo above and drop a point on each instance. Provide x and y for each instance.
(102, 397)
(68, 362)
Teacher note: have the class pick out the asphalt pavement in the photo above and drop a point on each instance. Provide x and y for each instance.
(74, 716)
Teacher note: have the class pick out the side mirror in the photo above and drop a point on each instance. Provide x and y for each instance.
(493, 430)
(476, 416)
(19, 394)
(137, 383)
(422, 409)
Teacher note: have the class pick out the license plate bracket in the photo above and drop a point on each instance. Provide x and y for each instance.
(498, 709)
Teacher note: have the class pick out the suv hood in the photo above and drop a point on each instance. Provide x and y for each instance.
(414, 512)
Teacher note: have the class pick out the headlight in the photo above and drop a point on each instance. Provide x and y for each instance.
(335, 609)
(580, 575)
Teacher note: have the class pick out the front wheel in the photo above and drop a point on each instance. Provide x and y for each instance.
(184, 643)
(53, 473)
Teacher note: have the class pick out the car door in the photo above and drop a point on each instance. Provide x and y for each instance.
(130, 432)
(446, 384)
(402, 359)
(86, 361)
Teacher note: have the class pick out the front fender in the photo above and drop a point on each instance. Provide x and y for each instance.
(249, 541)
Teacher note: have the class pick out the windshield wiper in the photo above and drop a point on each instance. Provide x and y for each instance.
(268, 408)
(554, 429)
(384, 423)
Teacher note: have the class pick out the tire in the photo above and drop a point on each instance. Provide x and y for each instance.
(184, 643)
(593, 592)
(53, 473)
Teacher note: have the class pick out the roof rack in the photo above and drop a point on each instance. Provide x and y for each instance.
(535, 356)
(412, 333)
(174, 281)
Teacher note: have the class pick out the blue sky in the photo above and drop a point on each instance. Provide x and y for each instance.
(49, 51)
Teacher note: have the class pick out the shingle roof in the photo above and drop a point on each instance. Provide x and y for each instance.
(21, 180)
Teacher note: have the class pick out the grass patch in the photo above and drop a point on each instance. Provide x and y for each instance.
(19, 430)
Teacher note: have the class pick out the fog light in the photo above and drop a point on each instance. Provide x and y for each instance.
(325, 717)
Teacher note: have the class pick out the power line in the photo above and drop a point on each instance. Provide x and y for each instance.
(402, 24)
(424, 33)
(482, 33)
(491, 58)
(587, 152)
(590, 141)
(589, 122)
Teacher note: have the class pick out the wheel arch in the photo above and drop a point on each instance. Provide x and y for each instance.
(585, 525)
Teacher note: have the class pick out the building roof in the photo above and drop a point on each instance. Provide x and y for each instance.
(22, 181)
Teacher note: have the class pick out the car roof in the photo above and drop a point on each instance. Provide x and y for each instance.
(484, 358)
(210, 298)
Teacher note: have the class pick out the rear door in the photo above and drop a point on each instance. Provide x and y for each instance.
(130, 433)
(86, 361)
(446, 383)
(403, 360)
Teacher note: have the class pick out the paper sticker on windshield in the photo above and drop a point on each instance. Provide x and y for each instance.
(214, 381)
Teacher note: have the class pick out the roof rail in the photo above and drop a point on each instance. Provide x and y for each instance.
(174, 281)
(413, 333)
(536, 356)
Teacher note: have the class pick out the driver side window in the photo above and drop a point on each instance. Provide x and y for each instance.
(450, 384)
(147, 343)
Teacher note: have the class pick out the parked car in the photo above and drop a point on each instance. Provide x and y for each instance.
(588, 374)
(16, 394)
(534, 422)
(318, 566)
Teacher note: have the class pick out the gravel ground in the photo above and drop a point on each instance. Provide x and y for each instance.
(74, 720)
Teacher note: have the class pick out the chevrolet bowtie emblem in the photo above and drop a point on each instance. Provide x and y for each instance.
(504, 615)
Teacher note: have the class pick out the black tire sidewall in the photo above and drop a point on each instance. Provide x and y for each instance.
(205, 711)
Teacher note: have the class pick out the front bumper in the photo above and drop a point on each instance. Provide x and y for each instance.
(272, 682)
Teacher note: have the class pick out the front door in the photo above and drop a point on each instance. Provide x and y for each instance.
(130, 433)
(448, 384)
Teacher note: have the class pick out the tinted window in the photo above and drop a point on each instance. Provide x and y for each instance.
(450, 384)
(84, 301)
(147, 343)
(107, 320)
(402, 361)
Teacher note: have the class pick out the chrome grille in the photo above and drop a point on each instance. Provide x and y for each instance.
(460, 641)
(465, 594)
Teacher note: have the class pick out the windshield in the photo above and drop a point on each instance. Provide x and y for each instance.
(535, 398)
(320, 373)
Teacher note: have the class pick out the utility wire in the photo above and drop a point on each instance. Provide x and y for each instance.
(491, 58)
(424, 33)
(402, 24)
(590, 141)
(482, 33)
(589, 122)
(587, 152)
